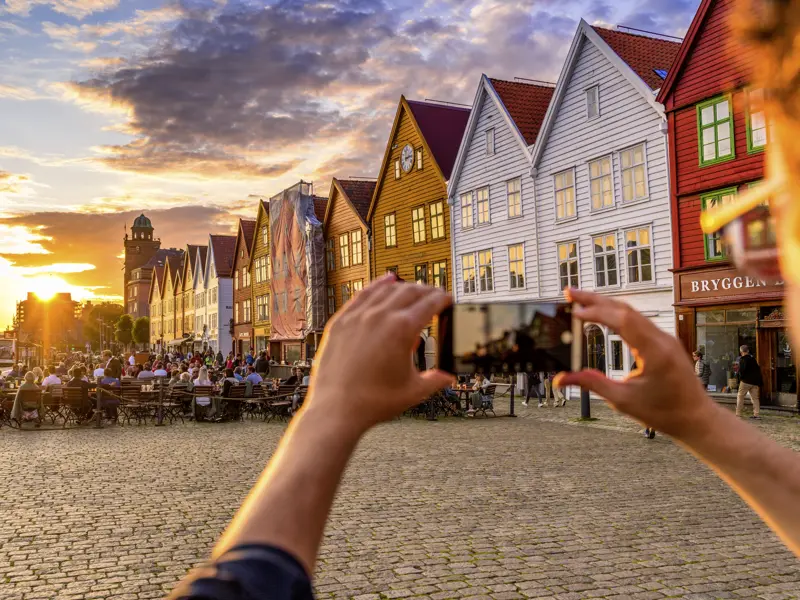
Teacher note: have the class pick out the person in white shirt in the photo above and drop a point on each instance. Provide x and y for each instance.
(132, 360)
(50, 379)
(202, 379)
(478, 395)
(99, 371)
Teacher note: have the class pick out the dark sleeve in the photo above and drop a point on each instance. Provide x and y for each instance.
(250, 572)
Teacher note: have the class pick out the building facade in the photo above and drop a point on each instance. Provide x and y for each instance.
(201, 329)
(219, 292)
(243, 289)
(491, 194)
(602, 185)
(346, 240)
(187, 290)
(139, 248)
(718, 131)
(156, 301)
(260, 277)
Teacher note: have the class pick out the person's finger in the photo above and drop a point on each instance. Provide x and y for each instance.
(636, 329)
(594, 381)
(369, 293)
(430, 382)
(402, 296)
(422, 312)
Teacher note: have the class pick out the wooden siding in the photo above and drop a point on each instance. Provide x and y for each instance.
(240, 294)
(343, 219)
(260, 249)
(400, 196)
(714, 64)
(626, 119)
(508, 162)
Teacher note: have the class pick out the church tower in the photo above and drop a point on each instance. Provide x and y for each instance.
(140, 246)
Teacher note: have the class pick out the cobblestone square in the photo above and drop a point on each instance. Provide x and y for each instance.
(534, 507)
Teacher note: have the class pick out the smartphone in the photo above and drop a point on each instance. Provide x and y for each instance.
(503, 338)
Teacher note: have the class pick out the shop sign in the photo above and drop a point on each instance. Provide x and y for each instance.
(244, 334)
(722, 283)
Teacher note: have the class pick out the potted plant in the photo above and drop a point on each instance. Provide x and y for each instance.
(733, 379)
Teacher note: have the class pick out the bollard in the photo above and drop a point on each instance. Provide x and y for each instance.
(98, 423)
(586, 407)
(511, 412)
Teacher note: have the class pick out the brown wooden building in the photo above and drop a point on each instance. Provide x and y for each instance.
(346, 240)
(260, 274)
(242, 289)
(409, 216)
(717, 134)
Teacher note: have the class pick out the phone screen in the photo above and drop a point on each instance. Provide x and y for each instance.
(508, 338)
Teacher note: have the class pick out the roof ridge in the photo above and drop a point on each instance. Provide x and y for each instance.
(639, 35)
(536, 85)
(439, 104)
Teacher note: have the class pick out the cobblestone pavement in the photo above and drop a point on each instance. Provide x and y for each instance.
(535, 507)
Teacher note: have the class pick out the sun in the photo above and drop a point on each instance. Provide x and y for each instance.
(46, 287)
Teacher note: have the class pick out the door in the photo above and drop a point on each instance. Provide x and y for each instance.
(767, 340)
(618, 358)
(595, 348)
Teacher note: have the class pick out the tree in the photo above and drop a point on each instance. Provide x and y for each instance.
(141, 330)
(123, 330)
(105, 315)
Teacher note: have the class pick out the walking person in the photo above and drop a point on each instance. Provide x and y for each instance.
(750, 380)
(558, 395)
(533, 388)
(701, 368)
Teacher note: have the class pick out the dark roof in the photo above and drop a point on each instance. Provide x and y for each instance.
(643, 54)
(360, 194)
(320, 204)
(160, 257)
(224, 247)
(158, 276)
(527, 104)
(248, 227)
(142, 222)
(442, 127)
(175, 264)
(192, 254)
(203, 250)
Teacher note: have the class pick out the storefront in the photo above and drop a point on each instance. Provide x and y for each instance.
(718, 310)
(261, 339)
(242, 341)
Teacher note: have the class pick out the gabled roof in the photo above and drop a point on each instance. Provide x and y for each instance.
(320, 204)
(441, 129)
(529, 103)
(685, 50)
(587, 33)
(160, 257)
(356, 192)
(192, 250)
(247, 229)
(202, 259)
(156, 283)
(223, 248)
(643, 54)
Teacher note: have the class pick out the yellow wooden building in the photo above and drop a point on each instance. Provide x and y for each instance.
(260, 275)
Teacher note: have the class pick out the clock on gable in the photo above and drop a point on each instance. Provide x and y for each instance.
(407, 158)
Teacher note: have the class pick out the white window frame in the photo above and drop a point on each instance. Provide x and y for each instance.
(610, 175)
(593, 100)
(357, 286)
(467, 203)
(356, 245)
(418, 236)
(518, 193)
(512, 279)
(649, 228)
(761, 110)
(556, 190)
(621, 170)
(344, 250)
(488, 203)
(605, 254)
(490, 141)
(392, 228)
(438, 217)
(473, 267)
(487, 282)
(568, 260)
(397, 169)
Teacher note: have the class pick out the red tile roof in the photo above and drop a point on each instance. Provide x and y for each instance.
(360, 194)
(175, 265)
(443, 127)
(223, 247)
(527, 104)
(643, 54)
(248, 228)
(192, 254)
(320, 204)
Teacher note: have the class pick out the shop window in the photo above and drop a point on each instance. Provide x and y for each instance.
(714, 243)
(292, 353)
(720, 333)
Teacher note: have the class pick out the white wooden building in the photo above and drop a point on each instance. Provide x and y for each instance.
(602, 184)
(491, 194)
(219, 292)
(200, 300)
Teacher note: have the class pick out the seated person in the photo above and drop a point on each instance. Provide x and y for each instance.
(228, 382)
(18, 411)
(50, 379)
(61, 369)
(99, 371)
(478, 396)
(252, 376)
(160, 371)
(110, 403)
(146, 372)
(237, 374)
(78, 381)
(293, 379)
(175, 377)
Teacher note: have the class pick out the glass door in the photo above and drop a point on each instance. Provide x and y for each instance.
(785, 370)
(618, 358)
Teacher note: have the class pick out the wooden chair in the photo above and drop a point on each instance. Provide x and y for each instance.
(201, 391)
(73, 406)
(231, 405)
(52, 402)
(31, 400)
(131, 405)
(487, 405)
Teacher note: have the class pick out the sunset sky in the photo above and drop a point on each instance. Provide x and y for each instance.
(183, 109)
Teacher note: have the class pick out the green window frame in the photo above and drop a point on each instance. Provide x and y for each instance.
(712, 242)
(755, 108)
(715, 131)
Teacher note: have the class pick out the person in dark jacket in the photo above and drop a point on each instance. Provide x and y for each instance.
(701, 368)
(750, 381)
(262, 364)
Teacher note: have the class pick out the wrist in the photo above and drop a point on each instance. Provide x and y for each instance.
(341, 425)
(700, 422)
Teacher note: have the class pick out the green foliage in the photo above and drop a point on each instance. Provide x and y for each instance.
(141, 330)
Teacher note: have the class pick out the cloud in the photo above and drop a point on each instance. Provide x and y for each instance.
(17, 92)
(78, 9)
(662, 16)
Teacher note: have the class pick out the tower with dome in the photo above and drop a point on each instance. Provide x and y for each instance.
(141, 247)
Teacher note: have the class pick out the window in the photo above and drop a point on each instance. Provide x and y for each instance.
(437, 220)
(719, 335)
(483, 205)
(331, 300)
(516, 267)
(468, 273)
(568, 265)
(236, 281)
(267, 268)
(489, 142)
(262, 307)
(344, 250)
(265, 235)
(634, 180)
(419, 159)
(639, 255)
(245, 277)
(418, 224)
(605, 260)
(601, 184)
(236, 313)
(593, 102)
(346, 293)
(390, 230)
(440, 274)
(247, 311)
(358, 286)
(756, 121)
(714, 243)
(485, 274)
(466, 210)
(330, 255)
(565, 195)
(421, 274)
(391, 270)
(358, 251)
(514, 194)
(715, 130)
(397, 169)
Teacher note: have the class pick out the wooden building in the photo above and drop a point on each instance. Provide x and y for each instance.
(346, 240)
(187, 284)
(717, 134)
(260, 267)
(156, 302)
(408, 214)
(242, 290)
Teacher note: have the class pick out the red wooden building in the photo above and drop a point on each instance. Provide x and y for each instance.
(717, 136)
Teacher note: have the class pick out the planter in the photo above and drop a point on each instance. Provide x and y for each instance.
(733, 383)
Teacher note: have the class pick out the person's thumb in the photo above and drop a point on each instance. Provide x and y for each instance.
(594, 381)
(430, 382)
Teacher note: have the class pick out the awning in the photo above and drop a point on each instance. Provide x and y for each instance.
(186, 340)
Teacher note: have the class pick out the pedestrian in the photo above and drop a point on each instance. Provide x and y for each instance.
(549, 385)
(701, 368)
(750, 380)
(534, 380)
(262, 364)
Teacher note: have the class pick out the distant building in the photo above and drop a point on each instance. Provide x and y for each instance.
(138, 288)
(140, 248)
(53, 323)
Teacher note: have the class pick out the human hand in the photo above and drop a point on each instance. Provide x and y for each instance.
(364, 369)
(663, 392)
